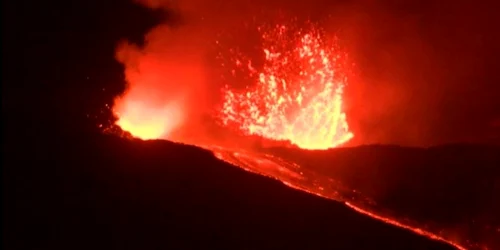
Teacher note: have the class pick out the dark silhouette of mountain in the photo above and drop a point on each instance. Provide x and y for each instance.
(93, 191)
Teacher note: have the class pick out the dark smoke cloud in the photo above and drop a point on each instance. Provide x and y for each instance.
(423, 69)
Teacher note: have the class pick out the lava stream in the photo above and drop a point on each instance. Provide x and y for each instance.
(307, 181)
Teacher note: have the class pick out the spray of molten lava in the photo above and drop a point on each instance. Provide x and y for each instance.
(297, 95)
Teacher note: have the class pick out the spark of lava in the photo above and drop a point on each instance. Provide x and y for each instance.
(296, 95)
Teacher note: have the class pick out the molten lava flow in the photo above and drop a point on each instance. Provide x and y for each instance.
(301, 178)
(297, 94)
(401, 225)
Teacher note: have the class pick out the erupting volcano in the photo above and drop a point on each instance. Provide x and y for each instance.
(294, 93)
(297, 95)
(251, 124)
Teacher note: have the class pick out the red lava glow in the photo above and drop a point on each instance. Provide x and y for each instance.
(297, 95)
(162, 84)
(147, 122)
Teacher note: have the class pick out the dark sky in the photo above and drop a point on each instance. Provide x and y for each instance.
(426, 70)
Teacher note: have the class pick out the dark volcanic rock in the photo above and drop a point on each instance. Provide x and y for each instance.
(103, 192)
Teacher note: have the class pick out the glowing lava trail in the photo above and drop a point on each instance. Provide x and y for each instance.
(303, 179)
(297, 95)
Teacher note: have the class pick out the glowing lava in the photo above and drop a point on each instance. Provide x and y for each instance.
(297, 95)
(146, 121)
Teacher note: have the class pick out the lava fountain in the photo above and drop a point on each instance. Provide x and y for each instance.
(296, 95)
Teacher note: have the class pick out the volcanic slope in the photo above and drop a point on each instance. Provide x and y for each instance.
(104, 192)
(450, 190)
